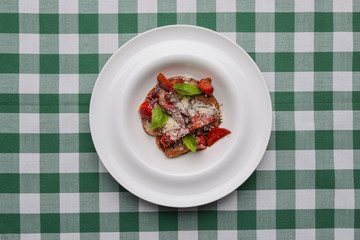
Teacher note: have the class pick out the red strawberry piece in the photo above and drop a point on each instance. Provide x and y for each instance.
(145, 110)
(179, 80)
(165, 83)
(201, 142)
(215, 134)
(173, 135)
(153, 95)
(200, 120)
(205, 86)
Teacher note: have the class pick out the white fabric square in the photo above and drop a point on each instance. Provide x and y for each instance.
(265, 200)
(145, 206)
(270, 80)
(344, 199)
(304, 5)
(344, 233)
(343, 42)
(265, 42)
(265, 6)
(69, 43)
(69, 122)
(342, 5)
(29, 162)
(343, 159)
(69, 162)
(305, 160)
(29, 43)
(304, 81)
(187, 235)
(108, 43)
(228, 203)
(149, 235)
(109, 236)
(230, 35)
(68, 83)
(342, 81)
(108, 6)
(186, 6)
(109, 202)
(29, 83)
(68, 6)
(147, 6)
(69, 202)
(308, 234)
(266, 235)
(26, 6)
(69, 236)
(343, 120)
(305, 199)
(30, 236)
(29, 203)
(304, 120)
(29, 123)
(227, 235)
(225, 5)
(304, 42)
(268, 161)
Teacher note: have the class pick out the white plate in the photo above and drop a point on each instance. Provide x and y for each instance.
(132, 157)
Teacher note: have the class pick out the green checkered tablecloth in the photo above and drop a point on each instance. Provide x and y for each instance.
(52, 184)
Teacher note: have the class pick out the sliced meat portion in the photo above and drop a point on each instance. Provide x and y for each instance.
(152, 132)
(193, 82)
(210, 100)
(174, 150)
(162, 99)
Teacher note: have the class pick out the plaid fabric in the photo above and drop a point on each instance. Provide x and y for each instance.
(52, 184)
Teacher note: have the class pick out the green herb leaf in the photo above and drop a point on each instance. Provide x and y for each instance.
(190, 142)
(187, 89)
(159, 118)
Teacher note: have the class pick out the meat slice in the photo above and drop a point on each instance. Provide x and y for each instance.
(174, 150)
(152, 132)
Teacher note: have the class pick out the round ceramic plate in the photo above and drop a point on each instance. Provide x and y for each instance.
(132, 157)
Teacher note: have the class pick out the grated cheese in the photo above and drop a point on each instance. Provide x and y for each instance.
(170, 125)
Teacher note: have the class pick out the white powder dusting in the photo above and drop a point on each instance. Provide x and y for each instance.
(170, 125)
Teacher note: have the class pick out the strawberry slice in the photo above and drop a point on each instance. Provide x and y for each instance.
(173, 135)
(165, 83)
(215, 134)
(201, 142)
(200, 120)
(145, 110)
(205, 86)
(175, 113)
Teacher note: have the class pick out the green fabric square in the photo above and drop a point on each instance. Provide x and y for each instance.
(88, 162)
(323, 120)
(9, 163)
(9, 183)
(89, 222)
(49, 183)
(343, 139)
(325, 179)
(29, 143)
(69, 182)
(49, 23)
(86, 143)
(30, 223)
(9, 223)
(84, 103)
(324, 139)
(50, 223)
(69, 142)
(164, 19)
(9, 22)
(323, 101)
(249, 184)
(323, 81)
(356, 100)
(108, 23)
(207, 20)
(49, 123)
(9, 63)
(246, 220)
(69, 23)
(344, 218)
(9, 83)
(246, 200)
(29, 63)
(305, 219)
(128, 202)
(284, 22)
(323, 41)
(323, 61)
(168, 221)
(284, 82)
(9, 143)
(49, 43)
(148, 222)
(49, 63)
(285, 199)
(69, 63)
(226, 220)
(265, 22)
(284, 62)
(344, 179)
(285, 140)
(324, 159)
(29, 183)
(108, 184)
(323, 22)
(69, 222)
(187, 220)
(88, 23)
(109, 222)
(49, 143)
(245, 22)
(284, 42)
(86, 85)
(343, 61)
(129, 222)
(207, 220)
(49, 162)
(88, 6)
(305, 179)
(246, 41)
(284, 101)
(285, 219)
(324, 218)
(128, 23)
(285, 120)
(285, 179)
(9, 43)
(88, 63)
(356, 21)
(266, 180)
(225, 22)
(89, 182)
(146, 21)
(265, 219)
(303, 62)
(29, 23)
(49, 203)
(245, 6)
(356, 139)
(88, 43)
(186, 18)
(343, 22)
(355, 61)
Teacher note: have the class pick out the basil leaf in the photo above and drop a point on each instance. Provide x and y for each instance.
(159, 118)
(190, 142)
(187, 89)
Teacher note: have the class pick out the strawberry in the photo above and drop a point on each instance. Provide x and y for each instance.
(165, 83)
(201, 142)
(145, 110)
(205, 86)
(173, 135)
(215, 134)
(179, 80)
(200, 120)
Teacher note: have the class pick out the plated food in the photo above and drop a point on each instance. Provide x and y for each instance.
(182, 114)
